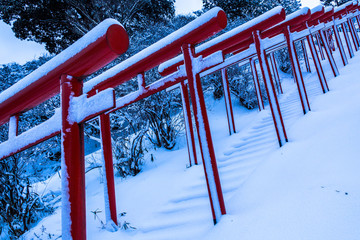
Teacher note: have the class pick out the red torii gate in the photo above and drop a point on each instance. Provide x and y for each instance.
(90, 53)
(243, 43)
(102, 45)
(334, 17)
(229, 42)
(194, 32)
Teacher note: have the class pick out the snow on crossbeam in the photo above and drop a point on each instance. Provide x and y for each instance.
(240, 58)
(337, 12)
(168, 81)
(328, 13)
(292, 20)
(274, 36)
(35, 135)
(319, 9)
(316, 13)
(194, 32)
(229, 39)
(94, 50)
(342, 8)
(82, 109)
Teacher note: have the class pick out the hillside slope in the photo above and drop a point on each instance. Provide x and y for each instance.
(308, 189)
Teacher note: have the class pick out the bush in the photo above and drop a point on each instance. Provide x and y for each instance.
(20, 207)
(163, 112)
(283, 59)
(129, 154)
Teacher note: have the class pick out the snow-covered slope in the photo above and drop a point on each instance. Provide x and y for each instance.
(308, 189)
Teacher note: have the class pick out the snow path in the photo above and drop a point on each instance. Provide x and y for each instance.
(187, 214)
(309, 189)
(169, 202)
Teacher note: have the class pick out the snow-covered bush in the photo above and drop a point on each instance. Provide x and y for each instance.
(242, 86)
(129, 154)
(163, 112)
(20, 206)
(153, 122)
(283, 60)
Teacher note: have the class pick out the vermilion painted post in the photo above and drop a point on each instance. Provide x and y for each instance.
(257, 84)
(339, 44)
(347, 40)
(276, 73)
(329, 54)
(297, 71)
(330, 40)
(353, 34)
(190, 138)
(314, 36)
(106, 146)
(272, 73)
(317, 64)
(228, 104)
(320, 47)
(358, 21)
(72, 164)
(356, 35)
(355, 30)
(270, 89)
(306, 57)
(204, 134)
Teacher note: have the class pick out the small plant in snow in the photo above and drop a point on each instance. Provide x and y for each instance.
(44, 234)
(125, 225)
(96, 217)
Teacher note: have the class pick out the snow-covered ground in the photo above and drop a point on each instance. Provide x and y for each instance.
(308, 189)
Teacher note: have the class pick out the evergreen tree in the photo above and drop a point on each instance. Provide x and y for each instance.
(58, 23)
